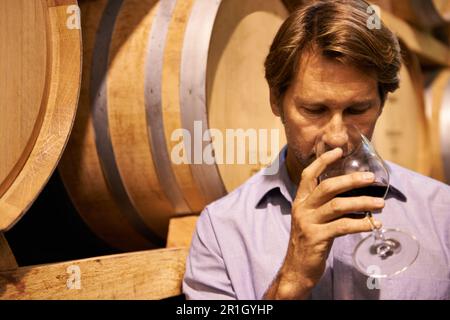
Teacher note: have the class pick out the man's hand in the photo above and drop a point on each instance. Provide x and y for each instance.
(317, 218)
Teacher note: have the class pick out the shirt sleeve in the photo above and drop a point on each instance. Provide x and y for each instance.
(206, 276)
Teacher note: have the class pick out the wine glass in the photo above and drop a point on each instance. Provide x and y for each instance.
(385, 252)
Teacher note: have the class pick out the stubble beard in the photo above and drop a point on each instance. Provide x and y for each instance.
(302, 158)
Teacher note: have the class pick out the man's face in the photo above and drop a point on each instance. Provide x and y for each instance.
(324, 98)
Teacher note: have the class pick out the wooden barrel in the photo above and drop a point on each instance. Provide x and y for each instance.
(152, 70)
(40, 67)
(401, 134)
(425, 14)
(438, 115)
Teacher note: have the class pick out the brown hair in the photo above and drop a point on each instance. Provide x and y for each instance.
(338, 29)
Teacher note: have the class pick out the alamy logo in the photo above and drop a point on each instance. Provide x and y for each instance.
(374, 21)
(74, 281)
(211, 146)
(373, 282)
(73, 20)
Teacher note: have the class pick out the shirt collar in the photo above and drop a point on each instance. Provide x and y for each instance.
(276, 177)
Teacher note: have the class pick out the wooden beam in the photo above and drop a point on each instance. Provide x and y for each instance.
(181, 230)
(151, 274)
(7, 260)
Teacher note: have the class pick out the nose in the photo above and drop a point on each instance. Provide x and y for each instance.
(336, 134)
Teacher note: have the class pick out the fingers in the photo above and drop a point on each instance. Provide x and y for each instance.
(346, 226)
(338, 207)
(330, 188)
(310, 174)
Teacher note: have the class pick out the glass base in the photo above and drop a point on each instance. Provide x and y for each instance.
(387, 255)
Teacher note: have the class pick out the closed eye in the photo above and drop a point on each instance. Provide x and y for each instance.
(356, 111)
(314, 111)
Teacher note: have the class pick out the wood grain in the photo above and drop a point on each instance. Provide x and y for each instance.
(127, 113)
(181, 230)
(151, 274)
(237, 92)
(80, 166)
(63, 72)
(24, 69)
(83, 168)
(170, 98)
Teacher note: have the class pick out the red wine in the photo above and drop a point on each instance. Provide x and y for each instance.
(374, 190)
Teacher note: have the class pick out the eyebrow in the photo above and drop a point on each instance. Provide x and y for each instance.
(355, 104)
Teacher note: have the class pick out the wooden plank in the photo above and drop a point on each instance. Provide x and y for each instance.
(181, 230)
(151, 274)
(7, 260)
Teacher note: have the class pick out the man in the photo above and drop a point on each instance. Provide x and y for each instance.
(286, 236)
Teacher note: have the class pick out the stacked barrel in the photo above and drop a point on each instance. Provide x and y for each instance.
(152, 68)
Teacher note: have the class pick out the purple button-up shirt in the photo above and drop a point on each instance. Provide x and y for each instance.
(241, 240)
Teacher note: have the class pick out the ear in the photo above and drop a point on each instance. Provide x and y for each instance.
(275, 102)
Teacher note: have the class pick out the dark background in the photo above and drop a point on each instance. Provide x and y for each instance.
(52, 230)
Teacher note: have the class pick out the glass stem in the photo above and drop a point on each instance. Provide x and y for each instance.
(378, 235)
